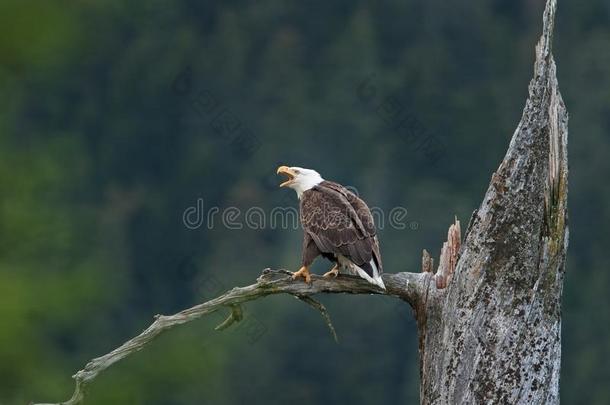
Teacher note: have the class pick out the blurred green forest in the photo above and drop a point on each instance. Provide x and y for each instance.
(109, 131)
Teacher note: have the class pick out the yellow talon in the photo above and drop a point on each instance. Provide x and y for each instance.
(303, 272)
(334, 272)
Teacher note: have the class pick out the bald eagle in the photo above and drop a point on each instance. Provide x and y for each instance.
(338, 226)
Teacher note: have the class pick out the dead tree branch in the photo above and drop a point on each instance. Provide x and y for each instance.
(406, 286)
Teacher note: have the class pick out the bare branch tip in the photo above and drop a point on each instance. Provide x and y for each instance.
(322, 309)
(236, 315)
(427, 262)
(449, 256)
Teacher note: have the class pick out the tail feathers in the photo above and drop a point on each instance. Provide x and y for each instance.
(374, 278)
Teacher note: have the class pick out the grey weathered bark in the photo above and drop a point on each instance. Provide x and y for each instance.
(489, 319)
(494, 334)
(406, 286)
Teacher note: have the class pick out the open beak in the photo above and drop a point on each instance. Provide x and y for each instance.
(288, 172)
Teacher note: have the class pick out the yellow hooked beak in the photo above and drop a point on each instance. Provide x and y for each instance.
(288, 172)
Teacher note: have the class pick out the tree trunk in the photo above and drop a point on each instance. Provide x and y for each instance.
(493, 335)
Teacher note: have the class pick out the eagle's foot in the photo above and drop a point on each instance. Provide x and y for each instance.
(334, 272)
(303, 272)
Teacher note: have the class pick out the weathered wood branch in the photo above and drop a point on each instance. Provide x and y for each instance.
(450, 253)
(406, 286)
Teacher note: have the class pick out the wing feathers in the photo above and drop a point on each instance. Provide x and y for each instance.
(341, 223)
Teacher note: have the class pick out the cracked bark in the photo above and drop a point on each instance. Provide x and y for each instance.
(494, 334)
(489, 319)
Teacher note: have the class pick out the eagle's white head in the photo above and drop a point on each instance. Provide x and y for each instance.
(299, 179)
